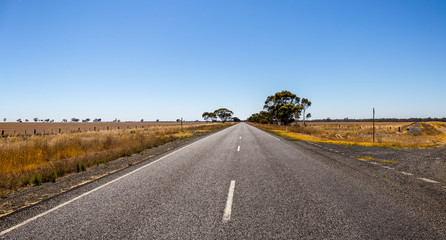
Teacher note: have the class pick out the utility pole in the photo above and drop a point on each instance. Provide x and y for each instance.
(373, 125)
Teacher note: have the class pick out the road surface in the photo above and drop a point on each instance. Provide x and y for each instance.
(241, 183)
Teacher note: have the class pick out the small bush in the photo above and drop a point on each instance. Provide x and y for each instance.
(37, 179)
(80, 167)
(53, 176)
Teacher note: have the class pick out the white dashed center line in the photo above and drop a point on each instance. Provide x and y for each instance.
(238, 149)
(428, 180)
(228, 208)
(406, 173)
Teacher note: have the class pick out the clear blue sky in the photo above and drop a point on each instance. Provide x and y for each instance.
(169, 59)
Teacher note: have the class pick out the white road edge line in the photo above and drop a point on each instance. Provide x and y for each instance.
(94, 190)
(273, 137)
(269, 134)
(238, 149)
(228, 208)
(428, 180)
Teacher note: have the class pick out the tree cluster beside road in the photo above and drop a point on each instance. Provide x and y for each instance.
(282, 108)
(223, 113)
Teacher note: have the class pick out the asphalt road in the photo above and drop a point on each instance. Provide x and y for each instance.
(241, 183)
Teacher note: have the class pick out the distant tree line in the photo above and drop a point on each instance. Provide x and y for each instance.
(63, 120)
(282, 108)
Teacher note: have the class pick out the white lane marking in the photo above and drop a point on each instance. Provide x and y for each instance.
(386, 167)
(240, 137)
(406, 173)
(428, 180)
(238, 149)
(374, 163)
(94, 190)
(228, 208)
(274, 137)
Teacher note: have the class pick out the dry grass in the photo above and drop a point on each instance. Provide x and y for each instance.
(389, 135)
(24, 160)
(44, 128)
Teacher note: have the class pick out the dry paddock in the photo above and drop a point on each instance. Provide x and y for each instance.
(44, 128)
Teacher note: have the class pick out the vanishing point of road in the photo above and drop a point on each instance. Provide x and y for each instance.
(240, 183)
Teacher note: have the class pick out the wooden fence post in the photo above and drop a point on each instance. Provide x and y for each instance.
(35, 131)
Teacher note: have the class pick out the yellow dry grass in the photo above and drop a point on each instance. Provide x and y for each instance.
(23, 158)
(389, 135)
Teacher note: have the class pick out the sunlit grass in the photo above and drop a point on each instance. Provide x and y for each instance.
(360, 134)
(36, 159)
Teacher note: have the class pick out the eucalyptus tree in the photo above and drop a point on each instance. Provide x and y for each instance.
(224, 114)
(284, 107)
(305, 104)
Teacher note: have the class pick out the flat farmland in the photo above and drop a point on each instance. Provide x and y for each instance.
(385, 134)
(44, 128)
(30, 159)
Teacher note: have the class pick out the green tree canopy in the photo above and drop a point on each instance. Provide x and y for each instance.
(284, 107)
(206, 116)
(210, 116)
(224, 114)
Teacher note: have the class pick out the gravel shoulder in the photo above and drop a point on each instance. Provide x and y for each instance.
(427, 163)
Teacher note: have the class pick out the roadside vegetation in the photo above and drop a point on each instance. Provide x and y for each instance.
(32, 160)
(389, 135)
(223, 113)
(282, 110)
